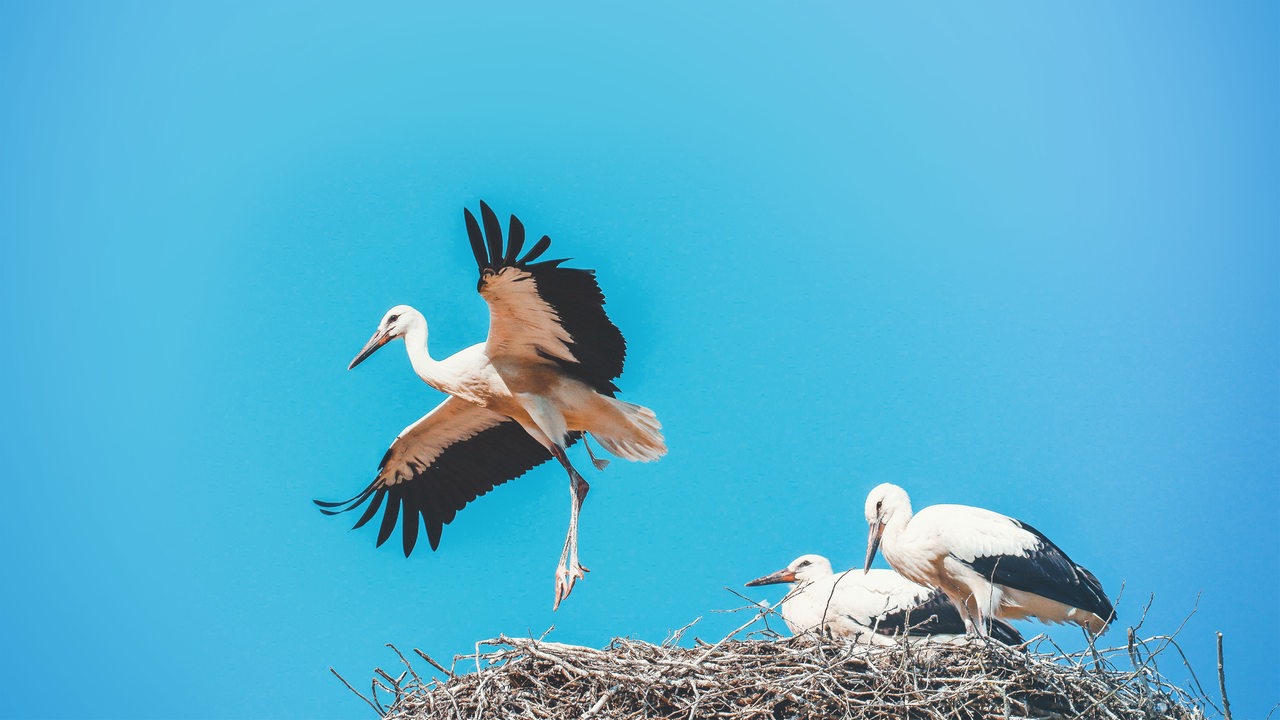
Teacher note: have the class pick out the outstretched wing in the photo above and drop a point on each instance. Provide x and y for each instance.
(452, 455)
(539, 311)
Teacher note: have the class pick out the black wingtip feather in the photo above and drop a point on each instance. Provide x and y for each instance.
(515, 240)
(477, 240)
(372, 510)
(410, 519)
(350, 503)
(389, 517)
(536, 251)
(434, 531)
(492, 233)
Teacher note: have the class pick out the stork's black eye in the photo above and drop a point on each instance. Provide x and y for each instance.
(803, 564)
(392, 319)
(878, 504)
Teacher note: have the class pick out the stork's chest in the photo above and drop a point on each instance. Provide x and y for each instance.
(914, 555)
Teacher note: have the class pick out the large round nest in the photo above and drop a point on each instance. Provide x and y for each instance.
(801, 677)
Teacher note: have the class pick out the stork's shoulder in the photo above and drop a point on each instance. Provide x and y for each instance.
(495, 284)
(970, 532)
(473, 377)
(474, 356)
(961, 517)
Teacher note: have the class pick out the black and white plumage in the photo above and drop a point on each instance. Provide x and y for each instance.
(874, 607)
(541, 380)
(989, 565)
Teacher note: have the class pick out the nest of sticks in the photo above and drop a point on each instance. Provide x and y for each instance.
(773, 678)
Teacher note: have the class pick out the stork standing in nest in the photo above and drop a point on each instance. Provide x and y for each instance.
(989, 565)
(541, 380)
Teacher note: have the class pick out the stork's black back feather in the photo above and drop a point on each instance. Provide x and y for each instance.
(1047, 571)
(937, 615)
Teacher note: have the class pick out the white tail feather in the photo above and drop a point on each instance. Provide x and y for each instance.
(637, 437)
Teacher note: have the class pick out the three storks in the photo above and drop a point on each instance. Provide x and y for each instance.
(541, 380)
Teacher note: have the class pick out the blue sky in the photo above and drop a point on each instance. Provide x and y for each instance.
(1016, 256)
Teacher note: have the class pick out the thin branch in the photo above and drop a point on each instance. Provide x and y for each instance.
(357, 692)
(435, 664)
(1222, 681)
(406, 662)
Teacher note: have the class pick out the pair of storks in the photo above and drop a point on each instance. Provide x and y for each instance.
(543, 379)
(957, 570)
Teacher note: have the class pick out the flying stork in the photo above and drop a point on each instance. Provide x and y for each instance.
(541, 380)
(874, 607)
(989, 565)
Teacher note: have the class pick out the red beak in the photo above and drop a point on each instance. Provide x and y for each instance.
(782, 576)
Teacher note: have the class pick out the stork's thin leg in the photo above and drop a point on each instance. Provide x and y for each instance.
(569, 571)
(972, 614)
(976, 622)
(599, 463)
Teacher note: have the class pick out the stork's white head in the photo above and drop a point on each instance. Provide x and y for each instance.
(885, 502)
(805, 568)
(396, 323)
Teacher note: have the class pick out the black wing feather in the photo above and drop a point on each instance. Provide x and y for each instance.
(411, 524)
(572, 293)
(597, 343)
(1047, 571)
(937, 615)
(477, 240)
(492, 233)
(389, 515)
(461, 473)
(535, 252)
(515, 240)
(358, 499)
(1004, 632)
(370, 511)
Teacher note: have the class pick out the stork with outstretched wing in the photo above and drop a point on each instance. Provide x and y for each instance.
(541, 380)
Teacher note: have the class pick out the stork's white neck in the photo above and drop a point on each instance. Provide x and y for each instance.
(894, 526)
(415, 343)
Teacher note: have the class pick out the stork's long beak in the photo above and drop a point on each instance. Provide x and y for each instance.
(379, 339)
(782, 576)
(873, 544)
